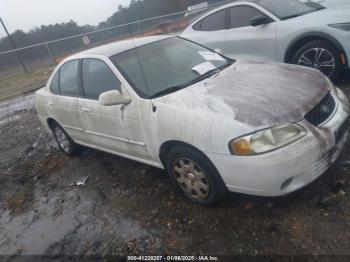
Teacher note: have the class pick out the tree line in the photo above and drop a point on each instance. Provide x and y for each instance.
(137, 10)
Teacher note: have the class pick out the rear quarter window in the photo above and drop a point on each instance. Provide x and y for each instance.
(55, 83)
(213, 22)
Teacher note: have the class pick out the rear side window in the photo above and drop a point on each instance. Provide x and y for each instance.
(98, 78)
(214, 22)
(241, 16)
(69, 78)
(55, 84)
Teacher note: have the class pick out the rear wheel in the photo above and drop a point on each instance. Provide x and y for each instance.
(320, 55)
(193, 175)
(63, 140)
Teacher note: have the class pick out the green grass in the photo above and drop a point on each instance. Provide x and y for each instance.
(20, 83)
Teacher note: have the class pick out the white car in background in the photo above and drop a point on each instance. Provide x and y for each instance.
(213, 123)
(304, 32)
(330, 3)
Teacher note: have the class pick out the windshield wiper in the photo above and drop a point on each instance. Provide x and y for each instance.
(172, 89)
(168, 90)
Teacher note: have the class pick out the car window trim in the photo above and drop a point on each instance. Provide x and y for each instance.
(81, 76)
(201, 21)
(229, 15)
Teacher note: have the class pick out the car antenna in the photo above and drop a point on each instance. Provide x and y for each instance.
(154, 108)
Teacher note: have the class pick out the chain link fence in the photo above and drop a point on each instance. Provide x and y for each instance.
(39, 60)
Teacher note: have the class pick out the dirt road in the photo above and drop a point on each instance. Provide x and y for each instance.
(129, 208)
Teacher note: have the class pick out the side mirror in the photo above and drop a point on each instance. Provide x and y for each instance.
(260, 20)
(112, 98)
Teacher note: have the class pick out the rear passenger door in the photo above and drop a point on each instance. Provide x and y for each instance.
(64, 103)
(111, 128)
(250, 42)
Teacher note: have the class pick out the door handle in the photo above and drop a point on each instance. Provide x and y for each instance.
(51, 104)
(86, 110)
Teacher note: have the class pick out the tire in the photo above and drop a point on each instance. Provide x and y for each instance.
(199, 180)
(63, 140)
(322, 55)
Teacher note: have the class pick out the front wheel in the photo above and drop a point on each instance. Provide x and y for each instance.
(320, 55)
(193, 175)
(66, 144)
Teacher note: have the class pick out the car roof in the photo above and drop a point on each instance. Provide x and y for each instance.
(121, 46)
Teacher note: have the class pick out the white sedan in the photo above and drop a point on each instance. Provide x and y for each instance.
(304, 32)
(213, 123)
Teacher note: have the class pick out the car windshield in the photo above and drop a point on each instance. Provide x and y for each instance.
(168, 65)
(286, 9)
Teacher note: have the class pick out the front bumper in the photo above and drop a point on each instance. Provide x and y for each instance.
(290, 168)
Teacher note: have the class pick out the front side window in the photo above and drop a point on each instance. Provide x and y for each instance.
(98, 78)
(69, 78)
(241, 16)
(167, 65)
(213, 22)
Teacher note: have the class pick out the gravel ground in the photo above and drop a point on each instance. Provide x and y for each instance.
(129, 208)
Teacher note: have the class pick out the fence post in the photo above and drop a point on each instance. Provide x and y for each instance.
(51, 54)
(140, 27)
(14, 47)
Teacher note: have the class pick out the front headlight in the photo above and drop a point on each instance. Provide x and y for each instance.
(341, 26)
(267, 140)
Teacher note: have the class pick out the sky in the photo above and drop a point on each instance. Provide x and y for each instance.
(27, 14)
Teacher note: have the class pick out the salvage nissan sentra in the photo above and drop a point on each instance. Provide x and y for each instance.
(215, 124)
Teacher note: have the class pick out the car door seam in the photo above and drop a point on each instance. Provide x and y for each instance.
(121, 139)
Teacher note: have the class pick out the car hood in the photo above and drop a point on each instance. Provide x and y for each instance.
(254, 93)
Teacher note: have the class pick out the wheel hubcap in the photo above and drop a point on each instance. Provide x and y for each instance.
(62, 139)
(318, 58)
(191, 178)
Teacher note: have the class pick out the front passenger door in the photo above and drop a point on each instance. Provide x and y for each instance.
(250, 42)
(110, 128)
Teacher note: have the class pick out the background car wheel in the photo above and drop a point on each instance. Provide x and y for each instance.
(66, 144)
(320, 55)
(193, 175)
